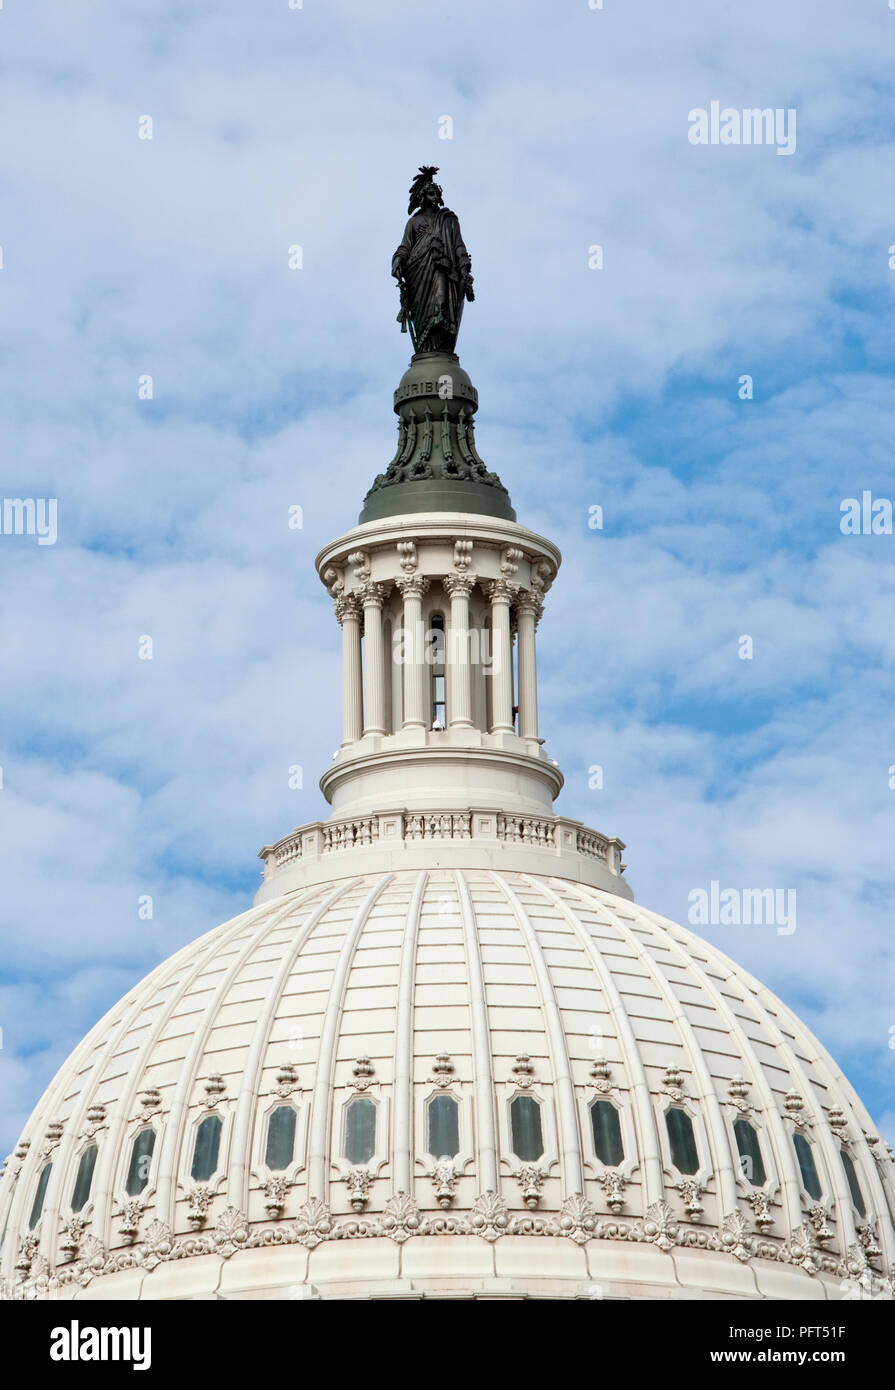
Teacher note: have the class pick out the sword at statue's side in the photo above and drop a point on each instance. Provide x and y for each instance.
(405, 318)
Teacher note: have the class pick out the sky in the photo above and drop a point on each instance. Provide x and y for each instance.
(558, 128)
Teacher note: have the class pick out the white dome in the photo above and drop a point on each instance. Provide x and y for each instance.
(518, 997)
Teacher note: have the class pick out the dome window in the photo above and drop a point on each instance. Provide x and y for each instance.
(360, 1130)
(682, 1140)
(525, 1128)
(444, 1127)
(435, 656)
(141, 1158)
(40, 1194)
(280, 1138)
(749, 1151)
(84, 1179)
(854, 1186)
(608, 1144)
(807, 1167)
(205, 1153)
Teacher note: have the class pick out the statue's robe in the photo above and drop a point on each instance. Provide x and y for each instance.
(435, 264)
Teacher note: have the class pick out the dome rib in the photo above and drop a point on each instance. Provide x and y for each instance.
(726, 1192)
(645, 1116)
(781, 1146)
(172, 1143)
(843, 1216)
(483, 1087)
(402, 1156)
(322, 1099)
(250, 1086)
(571, 1166)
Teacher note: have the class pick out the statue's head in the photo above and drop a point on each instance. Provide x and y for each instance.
(424, 191)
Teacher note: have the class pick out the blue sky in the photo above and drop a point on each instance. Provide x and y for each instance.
(618, 388)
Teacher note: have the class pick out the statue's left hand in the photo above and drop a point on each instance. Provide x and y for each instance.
(470, 292)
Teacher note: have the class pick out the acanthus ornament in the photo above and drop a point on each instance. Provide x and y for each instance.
(276, 1189)
(72, 1236)
(523, 1070)
(489, 1215)
(794, 1109)
(690, 1188)
(444, 1181)
(462, 554)
(531, 1180)
(866, 1234)
(735, 1236)
(660, 1227)
(131, 1215)
(401, 1218)
(215, 1090)
(613, 1184)
(601, 1072)
(443, 1071)
(358, 1181)
(51, 1138)
(817, 1215)
(95, 1121)
(201, 1199)
(759, 1201)
(287, 1080)
(738, 1092)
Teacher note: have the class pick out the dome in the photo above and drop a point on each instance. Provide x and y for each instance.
(448, 1081)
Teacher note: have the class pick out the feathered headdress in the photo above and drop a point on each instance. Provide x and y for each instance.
(422, 180)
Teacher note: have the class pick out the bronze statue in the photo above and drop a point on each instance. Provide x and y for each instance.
(432, 267)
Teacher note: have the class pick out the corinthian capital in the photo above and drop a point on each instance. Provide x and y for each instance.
(348, 606)
(502, 591)
(529, 601)
(374, 595)
(412, 585)
(459, 584)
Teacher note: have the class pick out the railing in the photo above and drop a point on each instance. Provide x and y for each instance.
(398, 829)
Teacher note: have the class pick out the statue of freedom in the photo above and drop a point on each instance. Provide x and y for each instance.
(432, 267)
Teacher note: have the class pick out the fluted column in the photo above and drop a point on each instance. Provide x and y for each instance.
(374, 659)
(501, 594)
(459, 667)
(348, 612)
(528, 610)
(416, 692)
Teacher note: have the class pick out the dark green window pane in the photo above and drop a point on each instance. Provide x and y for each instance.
(205, 1154)
(750, 1153)
(682, 1140)
(280, 1138)
(854, 1186)
(810, 1180)
(525, 1125)
(607, 1133)
(84, 1178)
(141, 1159)
(39, 1195)
(444, 1127)
(360, 1130)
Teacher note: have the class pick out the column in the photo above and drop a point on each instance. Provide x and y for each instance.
(528, 610)
(416, 682)
(459, 668)
(374, 659)
(348, 612)
(501, 593)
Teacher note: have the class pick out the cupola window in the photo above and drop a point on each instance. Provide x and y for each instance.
(436, 649)
(360, 1130)
(750, 1153)
(84, 1179)
(205, 1153)
(854, 1186)
(280, 1138)
(525, 1128)
(38, 1204)
(682, 1140)
(607, 1133)
(807, 1167)
(444, 1127)
(141, 1159)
